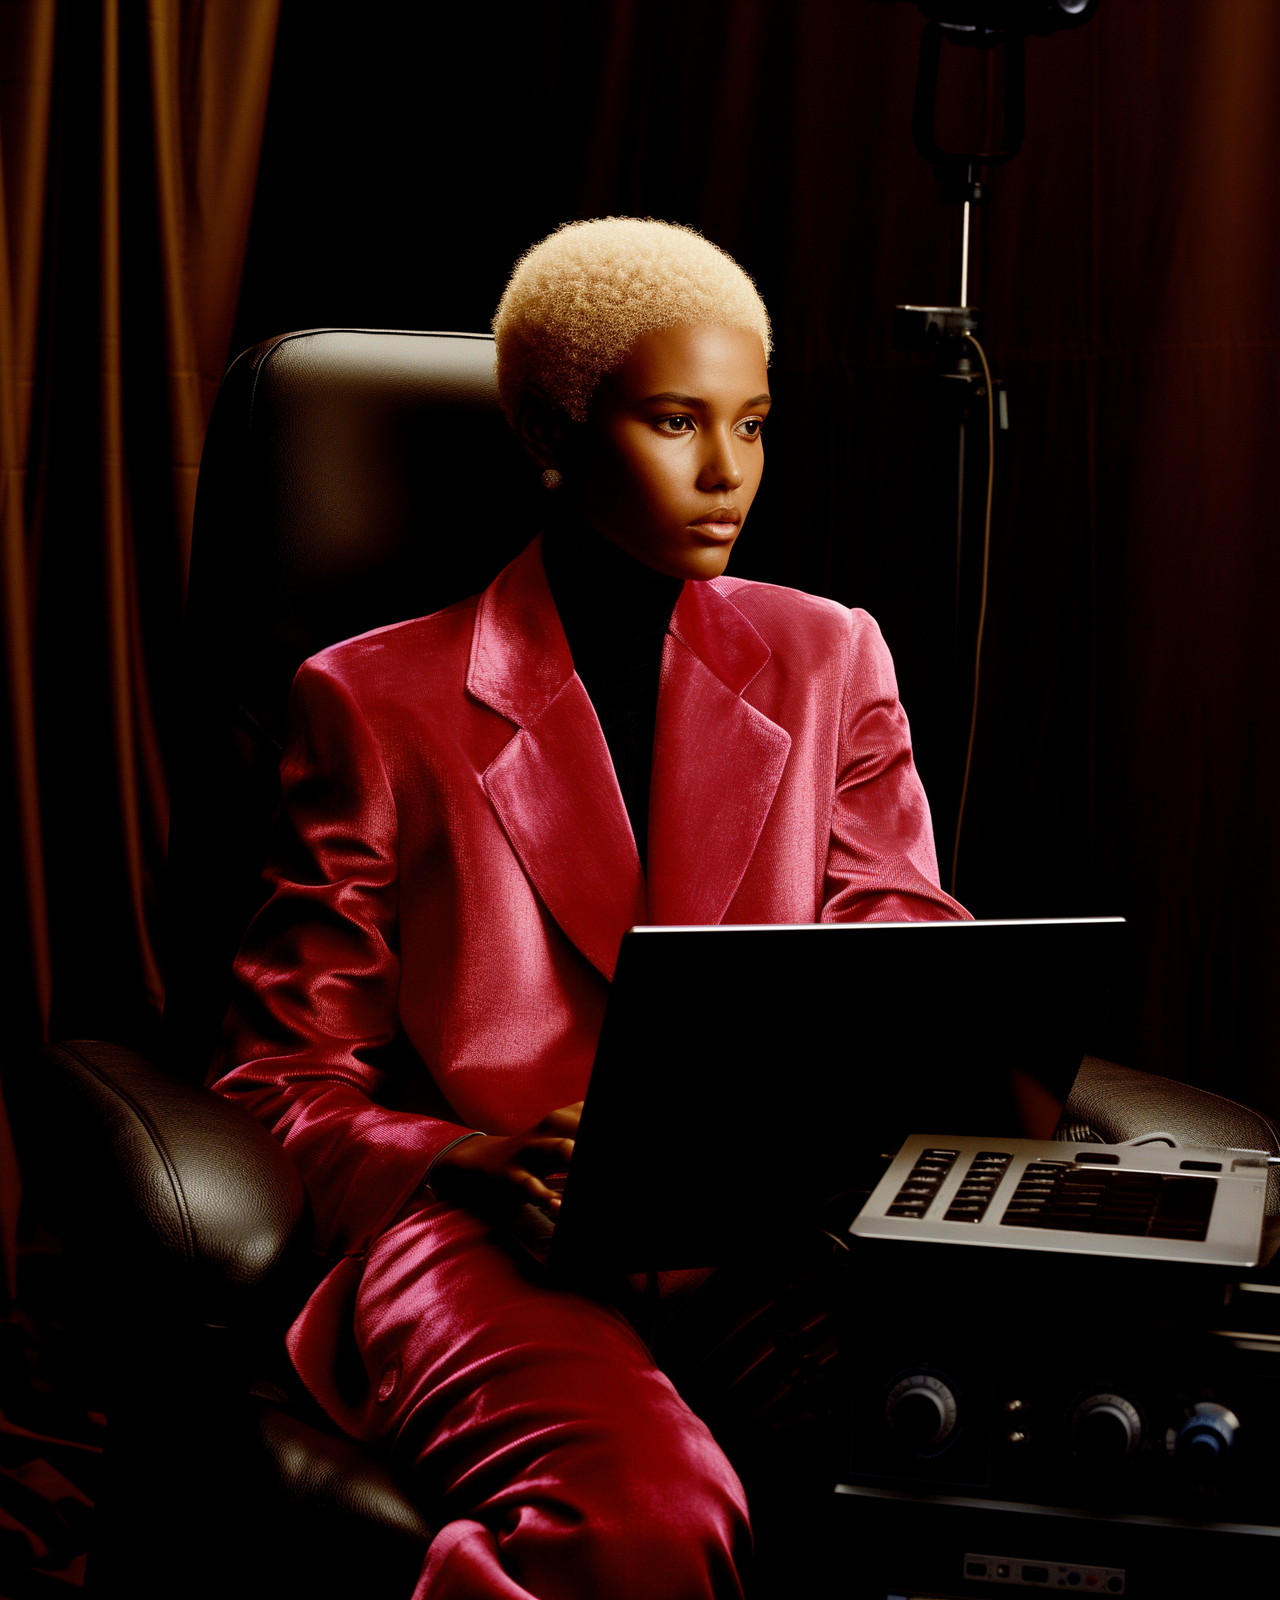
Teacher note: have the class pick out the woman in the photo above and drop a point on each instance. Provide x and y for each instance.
(476, 806)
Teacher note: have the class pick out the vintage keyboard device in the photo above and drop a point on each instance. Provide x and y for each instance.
(1148, 1202)
(1063, 1367)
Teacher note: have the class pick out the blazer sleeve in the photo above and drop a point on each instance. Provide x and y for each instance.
(315, 986)
(881, 861)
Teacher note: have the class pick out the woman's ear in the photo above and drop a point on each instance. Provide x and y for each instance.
(541, 428)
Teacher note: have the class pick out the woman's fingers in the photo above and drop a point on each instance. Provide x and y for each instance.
(545, 1155)
(533, 1188)
(564, 1121)
(495, 1170)
(543, 1159)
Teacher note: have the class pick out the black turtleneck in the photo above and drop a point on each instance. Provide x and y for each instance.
(615, 611)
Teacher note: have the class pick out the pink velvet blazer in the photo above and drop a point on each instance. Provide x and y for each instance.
(452, 864)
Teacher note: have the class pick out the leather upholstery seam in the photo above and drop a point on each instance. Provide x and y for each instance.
(158, 1143)
(307, 333)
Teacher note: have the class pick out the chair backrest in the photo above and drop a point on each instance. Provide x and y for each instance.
(350, 478)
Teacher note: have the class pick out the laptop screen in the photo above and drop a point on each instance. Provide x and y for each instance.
(746, 1074)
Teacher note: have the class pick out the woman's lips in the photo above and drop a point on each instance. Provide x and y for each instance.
(719, 525)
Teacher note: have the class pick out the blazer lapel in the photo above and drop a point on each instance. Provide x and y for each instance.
(553, 785)
(717, 761)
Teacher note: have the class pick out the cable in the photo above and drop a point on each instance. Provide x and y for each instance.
(982, 608)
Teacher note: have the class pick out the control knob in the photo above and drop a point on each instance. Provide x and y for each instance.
(921, 1410)
(1105, 1429)
(1203, 1442)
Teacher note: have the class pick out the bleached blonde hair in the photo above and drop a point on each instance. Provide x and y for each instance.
(579, 300)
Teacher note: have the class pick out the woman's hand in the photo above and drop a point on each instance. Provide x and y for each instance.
(495, 1172)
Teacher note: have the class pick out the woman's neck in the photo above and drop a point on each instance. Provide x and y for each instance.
(602, 593)
(615, 612)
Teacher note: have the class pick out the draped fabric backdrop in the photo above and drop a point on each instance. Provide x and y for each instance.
(129, 141)
(1126, 754)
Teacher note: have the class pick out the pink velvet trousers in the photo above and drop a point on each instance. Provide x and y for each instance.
(565, 1464)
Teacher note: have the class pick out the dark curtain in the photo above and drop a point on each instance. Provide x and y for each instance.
(1124, 758)
(130, 132)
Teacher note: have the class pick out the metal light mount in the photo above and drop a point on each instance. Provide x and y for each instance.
(932, 327)
(941, 330)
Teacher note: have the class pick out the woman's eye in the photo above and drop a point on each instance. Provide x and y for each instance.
(750, 427)
(676, 424)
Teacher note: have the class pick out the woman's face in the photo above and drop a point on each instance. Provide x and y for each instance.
(670, 458)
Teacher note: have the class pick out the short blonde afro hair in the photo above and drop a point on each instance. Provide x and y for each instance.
(579, 300)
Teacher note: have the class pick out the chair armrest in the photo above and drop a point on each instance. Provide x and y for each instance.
(334, 1480)
(174, 1187)
(209, 1493)
(1115, 1104)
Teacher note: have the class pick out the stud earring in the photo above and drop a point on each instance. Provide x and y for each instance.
(551, 479)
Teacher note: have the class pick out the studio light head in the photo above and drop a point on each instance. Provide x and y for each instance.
(983, 24)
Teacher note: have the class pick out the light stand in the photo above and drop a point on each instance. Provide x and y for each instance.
(970, 396)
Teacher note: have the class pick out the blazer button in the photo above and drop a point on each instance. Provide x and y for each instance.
(390, 1378)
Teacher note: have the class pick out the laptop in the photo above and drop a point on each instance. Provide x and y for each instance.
(745, 1075)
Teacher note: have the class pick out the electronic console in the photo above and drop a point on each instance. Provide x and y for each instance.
(1063, 1369)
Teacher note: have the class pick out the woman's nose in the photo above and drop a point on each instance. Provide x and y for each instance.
(720, 469)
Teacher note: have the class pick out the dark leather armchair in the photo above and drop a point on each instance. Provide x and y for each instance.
(350, 478)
